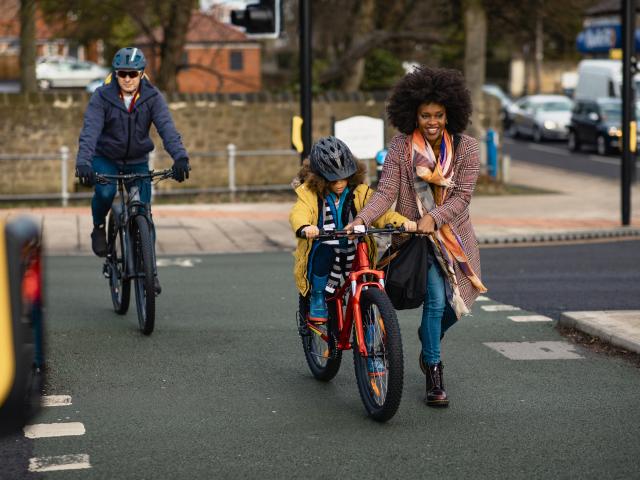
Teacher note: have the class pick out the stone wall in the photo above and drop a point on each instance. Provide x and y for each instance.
(41, 123)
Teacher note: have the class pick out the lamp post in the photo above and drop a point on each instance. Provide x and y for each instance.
(628, 106)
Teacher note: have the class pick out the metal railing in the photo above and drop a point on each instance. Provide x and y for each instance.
(232, 154)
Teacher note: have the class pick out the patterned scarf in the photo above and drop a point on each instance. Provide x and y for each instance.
(345, 249)
(434, 176)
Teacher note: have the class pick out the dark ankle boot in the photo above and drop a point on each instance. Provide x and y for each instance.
(435, 393)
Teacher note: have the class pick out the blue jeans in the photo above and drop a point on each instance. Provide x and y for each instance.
(437, 315)
(322, 260)
(103, 196)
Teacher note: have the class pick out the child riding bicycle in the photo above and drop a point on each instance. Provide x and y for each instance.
(331, 191)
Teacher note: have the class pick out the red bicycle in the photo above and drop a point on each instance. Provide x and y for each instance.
(362, 318)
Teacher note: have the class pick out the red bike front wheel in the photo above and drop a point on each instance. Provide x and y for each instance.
(380, 374)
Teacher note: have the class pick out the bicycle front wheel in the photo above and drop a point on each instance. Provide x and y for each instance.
(380, 374)
(143, 275)
(116, 263)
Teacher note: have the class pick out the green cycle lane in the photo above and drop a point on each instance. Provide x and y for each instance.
(221, 389)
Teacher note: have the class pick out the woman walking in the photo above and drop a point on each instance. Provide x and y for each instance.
(430, 172)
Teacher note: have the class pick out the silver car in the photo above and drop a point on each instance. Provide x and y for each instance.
(541, 117)
(67, 72)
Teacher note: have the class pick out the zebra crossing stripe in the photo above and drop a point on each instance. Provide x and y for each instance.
(60, 462)
(500, 308)
(551, 350)
(530, 318)
(482, 298)
(42, 430)
(56, 400)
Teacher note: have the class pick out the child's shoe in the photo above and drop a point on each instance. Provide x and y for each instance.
(318, 311)
(375, 367)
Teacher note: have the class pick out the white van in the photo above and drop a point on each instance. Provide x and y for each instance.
(600, 78)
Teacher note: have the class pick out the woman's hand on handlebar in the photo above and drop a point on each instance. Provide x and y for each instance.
(351, 226)
(427, 224)
(311, 231)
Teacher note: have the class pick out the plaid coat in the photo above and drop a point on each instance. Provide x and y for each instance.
(396, 185)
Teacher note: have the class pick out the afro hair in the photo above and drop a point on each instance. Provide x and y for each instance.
(430, 85)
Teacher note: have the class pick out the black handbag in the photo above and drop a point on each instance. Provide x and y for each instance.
(406, 272)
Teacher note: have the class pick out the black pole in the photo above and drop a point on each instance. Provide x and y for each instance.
(305, 76)
(628, 104)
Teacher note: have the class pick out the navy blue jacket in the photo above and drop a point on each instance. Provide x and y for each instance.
(110, 131)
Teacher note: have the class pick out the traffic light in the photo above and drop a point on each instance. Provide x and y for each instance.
(260, 20)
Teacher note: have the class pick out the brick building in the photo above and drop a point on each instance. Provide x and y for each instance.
(218, 58)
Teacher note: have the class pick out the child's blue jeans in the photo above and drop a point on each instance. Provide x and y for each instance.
(103, 195)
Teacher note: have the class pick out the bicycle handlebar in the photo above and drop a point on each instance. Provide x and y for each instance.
(335, 234)
(106, 178)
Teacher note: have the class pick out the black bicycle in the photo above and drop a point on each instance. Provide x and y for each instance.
(131, 247)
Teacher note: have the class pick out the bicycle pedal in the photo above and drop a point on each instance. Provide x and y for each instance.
(106, 271)
(303, 331)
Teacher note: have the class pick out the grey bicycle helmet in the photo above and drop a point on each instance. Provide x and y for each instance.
(331, 158)
(129, 58)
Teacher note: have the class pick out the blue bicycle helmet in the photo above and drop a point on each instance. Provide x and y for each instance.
(129, 58)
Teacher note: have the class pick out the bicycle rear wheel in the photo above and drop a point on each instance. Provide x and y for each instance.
(323, 357)
(116, 263)
(380, 374)
(143, 280)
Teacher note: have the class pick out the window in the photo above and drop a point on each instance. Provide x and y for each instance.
(236, 61)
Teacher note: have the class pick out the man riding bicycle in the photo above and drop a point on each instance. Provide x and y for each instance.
(115, 137)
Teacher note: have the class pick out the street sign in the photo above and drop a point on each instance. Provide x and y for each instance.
(363, 135)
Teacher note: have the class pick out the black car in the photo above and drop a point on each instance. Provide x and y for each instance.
(596, 123)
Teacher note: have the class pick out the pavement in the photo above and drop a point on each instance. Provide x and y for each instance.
(577, 207)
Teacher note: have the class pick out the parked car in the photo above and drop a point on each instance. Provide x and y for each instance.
(496, 91)
(52, 72)
(505, 100)
(597, 123)
(541, 117)
(93, 86)
(600, 78)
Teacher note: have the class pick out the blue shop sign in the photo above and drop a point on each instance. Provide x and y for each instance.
(602, 38)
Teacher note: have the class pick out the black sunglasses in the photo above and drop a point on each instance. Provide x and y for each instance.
(128, 73)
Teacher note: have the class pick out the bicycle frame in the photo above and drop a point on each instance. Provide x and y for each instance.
(126, 210)
(352, 289)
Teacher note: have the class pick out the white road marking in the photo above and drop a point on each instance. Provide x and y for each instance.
(554, 150)
(608, 161)
(482, 298)
(178, 262)
(535, 350)
(60, 462)
(530, 318)
(41, 430)
(500, 308)
(55, 400)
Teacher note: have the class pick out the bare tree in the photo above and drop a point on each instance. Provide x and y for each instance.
(346, 31)
(174, 33)
(28, 46)
(92, 20)
(475, 26)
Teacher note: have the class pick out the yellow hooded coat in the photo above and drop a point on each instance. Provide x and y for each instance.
(305, 212)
